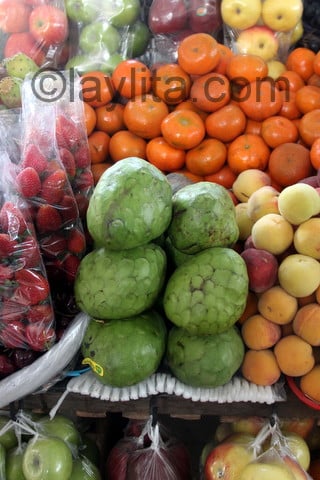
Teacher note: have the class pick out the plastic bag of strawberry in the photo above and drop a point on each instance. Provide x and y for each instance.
(71, 137)
(27, 318)
(33, 34)
(43, 181)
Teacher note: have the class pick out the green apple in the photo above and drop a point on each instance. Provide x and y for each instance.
(282, 16)
(99, 36)
(81, 10)
(47, 458)
(240, 14)
(83, 64)
(136, 40)
(108, 64)
(128, 13)
(266, 471)
(84, 469)
(61, 427)
(14, 463)
(8, 439)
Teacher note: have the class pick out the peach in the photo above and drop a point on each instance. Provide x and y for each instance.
(277, 305)
(299, 274)
(299, 202)
(273, 233)
(260, 367)
(310, 383)
(294, 355)
(250, 309)
(258, 333)
(306, 238)
(243, 220)
(263, 201)
(248, 182)
(306, 323)
(262, 267)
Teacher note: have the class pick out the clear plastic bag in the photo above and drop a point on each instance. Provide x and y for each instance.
(264, 30)
(152, 454)
(33, 35)
(27, 317)
(172, 20)
(103, 33)
(51, 199)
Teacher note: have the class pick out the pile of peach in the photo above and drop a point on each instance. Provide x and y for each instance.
(280, 243)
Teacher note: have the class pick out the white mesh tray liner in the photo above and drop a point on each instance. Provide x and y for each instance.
(237, 390)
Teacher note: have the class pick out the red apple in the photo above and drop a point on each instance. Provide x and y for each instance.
(48, 25)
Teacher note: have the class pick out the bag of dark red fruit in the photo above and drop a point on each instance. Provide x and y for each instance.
(26, 317)
(44, 181)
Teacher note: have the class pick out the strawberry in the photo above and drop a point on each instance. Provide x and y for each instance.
(76, 241)
(68, 209)
(84, 181)
(48, 219)
(82, 156)
(12, 220)
(70, 266)
(28, 182)
(6, 273)
(7, 367)
(54, 245)
(53, 187)
(7, 245)
(39, 337)
(32, 287)
(41, 313)
(68, 135)
(12, 311)
(68, 162)
(29, 252)
(83, 203)
(34, 158)
(13, 334)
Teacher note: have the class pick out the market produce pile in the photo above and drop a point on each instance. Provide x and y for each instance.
(214, 276)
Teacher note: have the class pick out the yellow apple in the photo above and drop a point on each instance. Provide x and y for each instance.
(275, 68)
(299, 448)
(282, 16)
(227, 460)
(266, 471)
(258, 40)
(240, 14)
(295, 468)
(297, 33)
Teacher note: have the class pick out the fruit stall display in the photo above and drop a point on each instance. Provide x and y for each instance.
(160, 197)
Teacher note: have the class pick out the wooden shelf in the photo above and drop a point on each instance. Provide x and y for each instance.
(86, 406)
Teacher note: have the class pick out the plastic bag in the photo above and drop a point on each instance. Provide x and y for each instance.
(277, 459)
(50, 196)
(261, 31)
(47, 369)
(27, 317)
(33, 35)
(152, 455)
(172, 20)
(104, 33)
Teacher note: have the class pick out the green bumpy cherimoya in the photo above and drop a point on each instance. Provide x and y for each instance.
(118, 284)
(204, 361)
(127, 351)
(131, 205)
(203, 216)
(208, 293)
